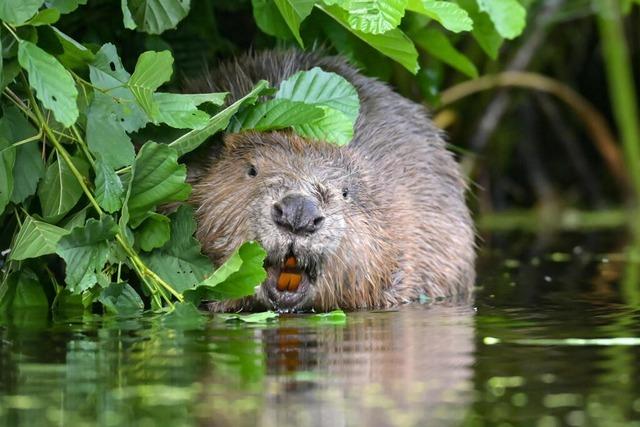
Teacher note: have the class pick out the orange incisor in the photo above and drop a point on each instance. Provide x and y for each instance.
(290, 276)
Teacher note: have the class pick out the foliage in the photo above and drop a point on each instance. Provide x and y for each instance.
(89, 152)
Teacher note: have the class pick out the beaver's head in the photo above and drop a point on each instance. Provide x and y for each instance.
(313, 208)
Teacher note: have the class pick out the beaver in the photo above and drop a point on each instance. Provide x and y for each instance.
(376, 223)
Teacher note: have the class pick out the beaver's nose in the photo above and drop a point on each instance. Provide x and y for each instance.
(298, 214)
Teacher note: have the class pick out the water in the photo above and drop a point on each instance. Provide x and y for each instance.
(508, 359)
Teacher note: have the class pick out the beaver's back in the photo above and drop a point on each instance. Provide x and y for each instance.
(417, 181)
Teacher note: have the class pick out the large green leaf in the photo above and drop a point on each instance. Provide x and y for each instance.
(106, 136)
(36, 238)
(157, 178)
(152, 70)
(28, 171)
(294, 12)
(193, 139)
(18, 11)
(438, 45)
(154, 232)
(448, 14)
(236, 278)
(179, 261)
(28, 168)
(154, 16)
(44, 17)
(484, 32)
(114, 113)
(374, 16)
(393, 43)
(334, 126)
(269, 19)
(7, 160)
(85, 251)
(68, 51)
(120, 298)
(60, 190)
(109, 190)
(181, 110)
(53, 84)
(66, 6)
(508, 16)
(22, 290)
(322, 88)
(262, 317)
(275, 114)
(107, 73)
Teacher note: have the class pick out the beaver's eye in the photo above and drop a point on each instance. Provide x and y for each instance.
(252, 171)
(345, 193)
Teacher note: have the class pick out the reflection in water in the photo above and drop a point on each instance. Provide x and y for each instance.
(504, 362)
(408, 367)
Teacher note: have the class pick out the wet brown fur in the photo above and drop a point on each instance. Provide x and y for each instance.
(404, 232)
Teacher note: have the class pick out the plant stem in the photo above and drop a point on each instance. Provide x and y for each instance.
(622, 90)
(142, 270)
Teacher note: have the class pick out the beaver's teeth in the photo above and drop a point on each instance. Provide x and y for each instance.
(283, 281)
(294, 282)
(289, 282)
(290, 262)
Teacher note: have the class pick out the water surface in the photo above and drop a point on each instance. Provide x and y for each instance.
(549, 341)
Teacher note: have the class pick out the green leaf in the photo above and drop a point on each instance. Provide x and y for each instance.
(121, 298)
(154, 16)
(18, 11)
(29, 292)
(448, 14)
(269, 19)
(113, 114)
(28, 165)
(184, 315)
(294, 12)
(154, 232)
(157, 179)
(109, 190)
(10, 70)
(53, 84)
(85, 252)
(7, 160)
(193, 139)
(28, 171)
(438, 45)
(318, 87)
(393, 43)
(334, 126)
(508, 16)
(484, 32)
(76, 220)
(236, 278)
(73, 55)
(333, 94)
(66, 6)
(60, 190)
(152, 70)
(181, 110)
(106, 136)
(375, 16)
(333, 317)
(23, 290)
(36, 238)
(179, 261)
(275, 114)
(44, 17)
(107, 73)
(263, 317)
